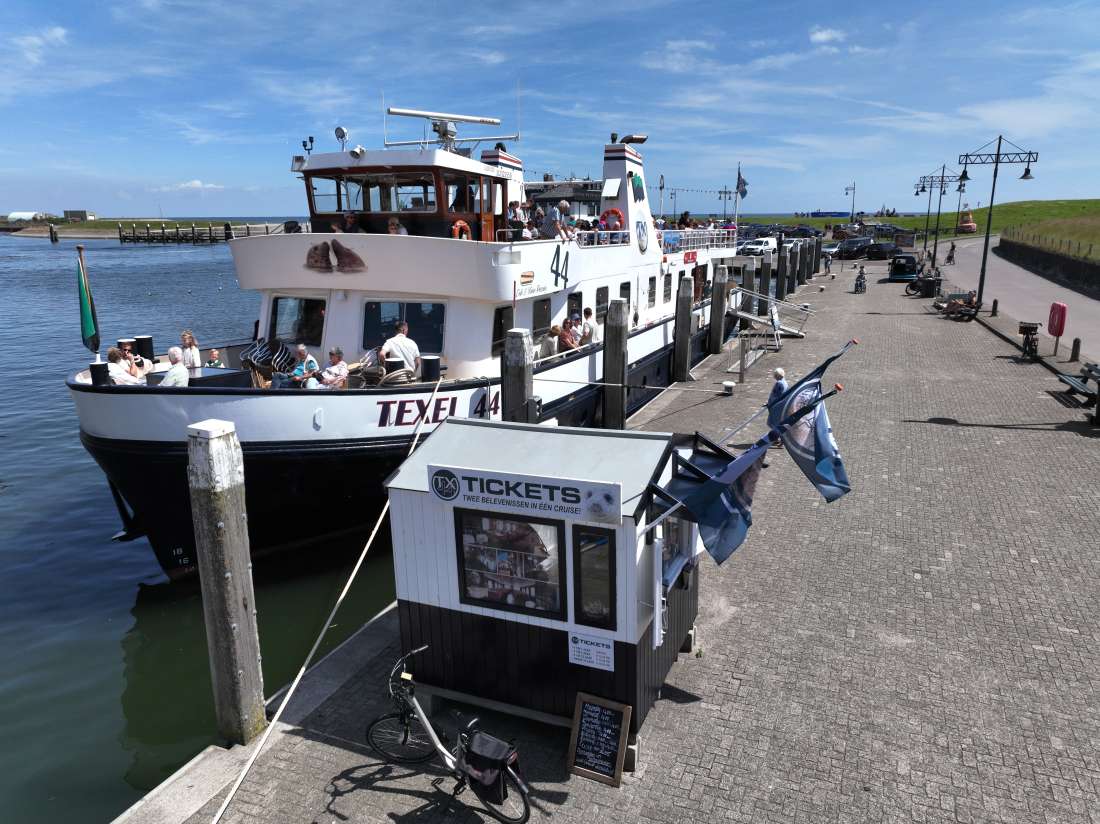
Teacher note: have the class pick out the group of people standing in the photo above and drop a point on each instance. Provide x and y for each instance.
(127, 368)
(573, 333)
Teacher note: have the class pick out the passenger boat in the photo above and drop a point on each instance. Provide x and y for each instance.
(315, 459)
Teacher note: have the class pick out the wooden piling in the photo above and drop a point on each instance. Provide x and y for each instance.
(215, 475)
(517, 377)
(616, 328)
(763, 282)
(781, 274)
(817, 256)
(717, 333)
(681, 345)
(748, 282)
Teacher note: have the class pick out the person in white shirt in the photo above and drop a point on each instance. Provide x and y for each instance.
(333, 376)
(177, 374)
(191, 356)
(590, 329)
(402, 346)
(118, 368)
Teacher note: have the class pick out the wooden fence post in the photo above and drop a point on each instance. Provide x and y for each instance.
(681, 344)
(517, 377)
(616, 328)
(215, 475)
(718, 295)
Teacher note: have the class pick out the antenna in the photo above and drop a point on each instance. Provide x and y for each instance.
(445, 126)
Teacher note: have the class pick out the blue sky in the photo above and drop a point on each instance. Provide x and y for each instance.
(194, 107)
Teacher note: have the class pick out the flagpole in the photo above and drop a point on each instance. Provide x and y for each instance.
(737, 208)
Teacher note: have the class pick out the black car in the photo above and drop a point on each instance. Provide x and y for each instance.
(853, 247)
(903, 267)
(882, 251)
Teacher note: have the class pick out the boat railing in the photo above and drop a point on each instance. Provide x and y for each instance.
(592, 237)
(686, 240)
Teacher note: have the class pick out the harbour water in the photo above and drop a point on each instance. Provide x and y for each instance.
(105, 687)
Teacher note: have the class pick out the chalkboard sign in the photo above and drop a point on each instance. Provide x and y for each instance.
(597, 745)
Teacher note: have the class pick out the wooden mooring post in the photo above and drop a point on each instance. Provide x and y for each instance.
(681, 344)
(763, 283)
(817, 256)
(716, 336)
(781, 274)
(794, 270)
(215, 475)
(745, 302)
(616, 329)
(517, 365)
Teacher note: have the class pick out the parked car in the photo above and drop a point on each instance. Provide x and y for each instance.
(903, 267)
(882, 251)
(845, 231)
(759, 246)
(830, 248)
(853, 248)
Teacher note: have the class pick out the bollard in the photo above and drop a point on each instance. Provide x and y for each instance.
(993, 309)
(717, 331)
(517, 377)
(215, 475)
(781, 275)
(616, 328)
(681, 344)
(1075, 351)
(765, 281)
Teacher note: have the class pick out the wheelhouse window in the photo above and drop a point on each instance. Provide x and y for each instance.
(391, 192)
(601, 304)
(651, 300)
(594, 577)
(297, 320)
(511, 563)
(463, 193)
(426, 323)
(540, 317)
(502, 322)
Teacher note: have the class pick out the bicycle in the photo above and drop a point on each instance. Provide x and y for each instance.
(487, 765)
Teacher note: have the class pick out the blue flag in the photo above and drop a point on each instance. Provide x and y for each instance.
(810, 440)
(742, 184)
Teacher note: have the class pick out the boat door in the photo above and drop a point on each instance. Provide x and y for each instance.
(490, 203)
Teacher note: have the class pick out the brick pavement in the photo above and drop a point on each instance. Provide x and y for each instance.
(924, 649)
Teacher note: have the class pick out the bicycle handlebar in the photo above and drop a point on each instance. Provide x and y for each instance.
(400, 665)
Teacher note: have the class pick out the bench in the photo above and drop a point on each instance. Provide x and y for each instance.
(1077, 386)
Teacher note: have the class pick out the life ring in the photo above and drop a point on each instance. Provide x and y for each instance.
(617, 213)
(460, 230)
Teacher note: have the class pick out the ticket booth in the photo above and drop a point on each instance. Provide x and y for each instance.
(523, 560)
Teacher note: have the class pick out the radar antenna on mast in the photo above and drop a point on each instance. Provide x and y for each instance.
(445, 126)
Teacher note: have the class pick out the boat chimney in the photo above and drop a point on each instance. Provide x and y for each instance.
(614, 137)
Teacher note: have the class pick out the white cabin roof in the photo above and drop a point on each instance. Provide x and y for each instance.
(605, 456)
(383, 158)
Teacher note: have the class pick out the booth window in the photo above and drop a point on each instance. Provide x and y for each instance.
(676, 549)
(594, 577)
(511, 563)
(540, 318)
(502, 322)
(426, 323)
(601, 304)
(297, 320)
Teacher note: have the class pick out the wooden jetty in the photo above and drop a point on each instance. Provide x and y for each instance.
(196, 234)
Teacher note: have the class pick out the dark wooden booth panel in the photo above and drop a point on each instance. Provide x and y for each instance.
(528, 666)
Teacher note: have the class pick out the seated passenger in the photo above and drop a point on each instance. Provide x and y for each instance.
(303, 370)
(333, 376)
(350, 224)
(394, 227)
(215, 360)
(177, 374)
(118, 368)
(134, 364)
(548, 346)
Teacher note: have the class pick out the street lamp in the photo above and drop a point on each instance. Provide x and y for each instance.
(996, 158)
(725, 194)
(851, 190)
(928, 212)
(940, 181)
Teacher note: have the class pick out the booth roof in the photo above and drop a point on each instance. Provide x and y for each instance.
(600, 455)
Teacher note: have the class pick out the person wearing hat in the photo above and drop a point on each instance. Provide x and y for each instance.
(333, 376)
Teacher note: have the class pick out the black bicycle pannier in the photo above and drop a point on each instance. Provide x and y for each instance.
(486, 759)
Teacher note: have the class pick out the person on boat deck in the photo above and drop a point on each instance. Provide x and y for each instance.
(118, 368)
(566, 341)
(192, 358)
(333, 376)
(129, 361)
(303, 370)
(402, 346)
(548, 346)
(554, 227)
(590, 329)
(394, 227)
(215, 360)
(351, 223)
(177, 374)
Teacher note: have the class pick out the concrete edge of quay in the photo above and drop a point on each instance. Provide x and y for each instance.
(205, 776)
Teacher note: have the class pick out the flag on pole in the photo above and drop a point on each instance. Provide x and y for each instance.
(742, 184)
(810, 440)
(89, 324)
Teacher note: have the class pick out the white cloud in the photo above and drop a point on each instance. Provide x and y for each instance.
(820, 34)
(33, 45)
(488, 57)
(190, 186)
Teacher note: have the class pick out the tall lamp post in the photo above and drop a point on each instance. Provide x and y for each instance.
(921, 188)
(939, 181)
(725, 194)
(981, 158)
(851, 190)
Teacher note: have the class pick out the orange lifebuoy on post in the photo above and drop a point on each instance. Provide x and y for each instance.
(460, 230)
(617, 213)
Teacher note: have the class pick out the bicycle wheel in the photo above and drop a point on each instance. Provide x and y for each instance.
(912, 288)
(400, 737)
(515, 808)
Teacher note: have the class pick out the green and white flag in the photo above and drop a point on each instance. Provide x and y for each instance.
(89, 324)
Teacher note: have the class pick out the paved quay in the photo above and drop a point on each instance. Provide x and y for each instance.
(924, 649)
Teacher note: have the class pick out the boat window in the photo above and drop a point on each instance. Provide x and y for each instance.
(415, 193)
(426, 323)
(502, 322)
(324, 194)
(624, 291)
(511, 563)
(463, 192)
(601, 304)
(668, 287)
(540, 317)
(401, 192)
(498, 199)
(652, 300)
(575, 305)
(594, 577)
(297, 320)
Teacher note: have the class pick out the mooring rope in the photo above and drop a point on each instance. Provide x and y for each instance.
(316, 644)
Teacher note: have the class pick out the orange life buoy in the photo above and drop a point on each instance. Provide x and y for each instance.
(617, 213)
(460, 230)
